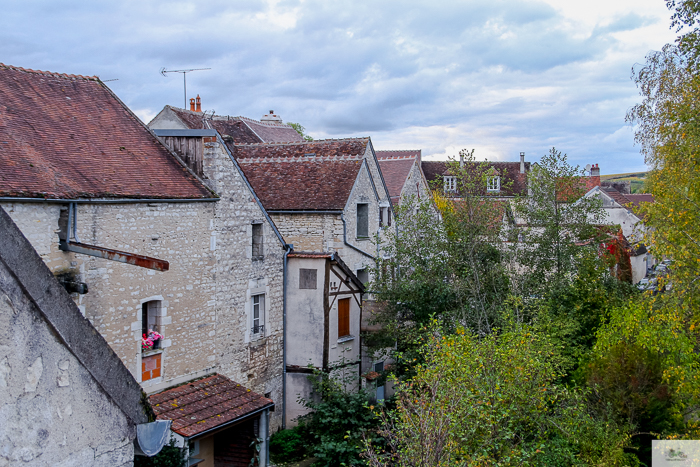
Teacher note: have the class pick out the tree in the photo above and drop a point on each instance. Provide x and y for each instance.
(559, 221)
(301, 130)
(494, 401)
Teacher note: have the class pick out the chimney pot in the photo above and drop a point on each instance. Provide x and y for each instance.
(199, 104)
(192, 104)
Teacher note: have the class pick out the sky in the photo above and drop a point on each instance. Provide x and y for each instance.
(500, 77)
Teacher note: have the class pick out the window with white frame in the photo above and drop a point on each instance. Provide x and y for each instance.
(450, 183)
(258, 315)
(493, 184)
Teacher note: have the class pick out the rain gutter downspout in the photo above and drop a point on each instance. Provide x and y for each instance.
(287, 249)
(345, 239)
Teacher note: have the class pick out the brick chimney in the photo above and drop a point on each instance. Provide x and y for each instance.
(594, 180)
(199, 104)
(522, 162)
(192, 104)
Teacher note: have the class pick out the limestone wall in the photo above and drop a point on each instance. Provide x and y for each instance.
(53, 413)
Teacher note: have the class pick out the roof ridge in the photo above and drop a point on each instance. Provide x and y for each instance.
(270, 124)
(278, 143)
(52, 74)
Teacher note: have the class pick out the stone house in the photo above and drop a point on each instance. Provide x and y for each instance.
(323, 329)
(67, 398)
(142, 240)
(269, 129)
(503, 179)
(403, 174)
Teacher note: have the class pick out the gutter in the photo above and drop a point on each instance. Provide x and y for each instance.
(305, 212)
(229, 423)
(345, 239)
(288, 248)
(107, 201)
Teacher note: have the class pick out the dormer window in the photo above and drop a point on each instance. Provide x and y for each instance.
(450, 183)
(493, 184)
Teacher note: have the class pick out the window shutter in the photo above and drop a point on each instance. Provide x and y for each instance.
(343, 317)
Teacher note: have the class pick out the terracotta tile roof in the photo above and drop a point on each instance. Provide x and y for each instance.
(399, 154)
(235, 129)
(637, 198)
(194, 120)
(273, 132)
(205, 404)
(395, 172)
(68, 136)
(317, 175)
(620, 198)
(241, 129)
(512, 181)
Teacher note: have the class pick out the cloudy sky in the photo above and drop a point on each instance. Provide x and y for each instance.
(499, 76)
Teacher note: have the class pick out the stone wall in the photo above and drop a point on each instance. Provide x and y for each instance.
(252, 360)
(53, 413)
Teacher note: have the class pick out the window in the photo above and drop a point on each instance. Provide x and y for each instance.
(384, 216)
(362, 220)
(257, 241)
(307, 278)
(258, 303)
(379, 367)
(450, 183)
(363, 275)
(150, 324)
(493, 184)
(343, 317)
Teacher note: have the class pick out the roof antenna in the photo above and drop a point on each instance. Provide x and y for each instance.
(163, 71)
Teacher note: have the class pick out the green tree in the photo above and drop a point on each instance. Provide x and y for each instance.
(301, 130)
(558, 222)
(494, 401)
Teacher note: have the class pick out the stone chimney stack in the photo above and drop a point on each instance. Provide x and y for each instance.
(199, 104)
(192, 104)
(522, 162)
(271, 117)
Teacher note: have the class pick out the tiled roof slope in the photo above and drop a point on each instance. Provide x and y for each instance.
(273, 132)
(637, 198)
(395, 167)
(194, 120)
(241, 129)
(316, 175)
(236, 129)
(512, 181)
(66, 136)
(205, 404)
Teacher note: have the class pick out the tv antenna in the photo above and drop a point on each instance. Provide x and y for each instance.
(163, 71)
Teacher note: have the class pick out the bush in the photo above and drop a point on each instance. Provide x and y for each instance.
(287, 446)
(169, 456)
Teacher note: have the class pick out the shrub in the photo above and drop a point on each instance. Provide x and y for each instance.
(287, 446)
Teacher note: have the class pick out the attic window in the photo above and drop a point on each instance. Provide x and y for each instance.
(450, 183)
(493, 184)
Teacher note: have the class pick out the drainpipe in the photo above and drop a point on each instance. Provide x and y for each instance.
(345, 238)
(287, 248)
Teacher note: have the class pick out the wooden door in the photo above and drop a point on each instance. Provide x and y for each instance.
(343, 317)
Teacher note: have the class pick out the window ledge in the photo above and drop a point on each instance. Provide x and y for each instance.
(148, 353)
(361, 239)
(257, 258)
(345, 339)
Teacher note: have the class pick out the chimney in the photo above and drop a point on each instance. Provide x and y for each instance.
(595, 170)
(271, 117)
(461, 161)
(192, 104)
(199, 104)
(522, 162)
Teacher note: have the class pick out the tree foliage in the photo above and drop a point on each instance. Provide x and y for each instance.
(494, 400)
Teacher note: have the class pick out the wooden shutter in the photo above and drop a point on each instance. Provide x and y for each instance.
(343, 317)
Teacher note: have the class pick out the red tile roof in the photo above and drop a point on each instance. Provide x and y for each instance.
(201, 405)
(512, 181)
(68, 136)
(272, 132)
(240, 129)
(637, 198)
(317, 175)
(395, 167)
